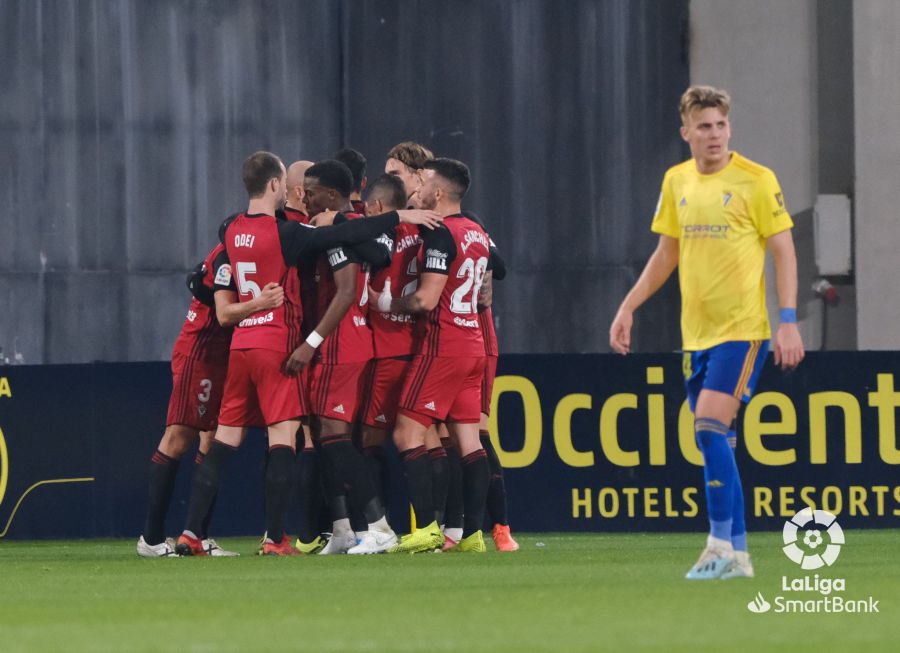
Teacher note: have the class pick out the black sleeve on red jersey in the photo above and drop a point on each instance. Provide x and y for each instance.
(221, 273)
(474, 217)
(496, 264)
(340, 257)
(299, 241)
(439, 249)
(224, 226)
(195, 284)
(377, 253)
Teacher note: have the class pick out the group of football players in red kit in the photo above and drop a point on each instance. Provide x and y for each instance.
(336, 312)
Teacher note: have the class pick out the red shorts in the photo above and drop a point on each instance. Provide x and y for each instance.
(487, 383)
(388, 376)
(197, 388)
(441, 389)
(258, 392)
(334, 390)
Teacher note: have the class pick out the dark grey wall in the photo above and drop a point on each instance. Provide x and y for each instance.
(124, 124)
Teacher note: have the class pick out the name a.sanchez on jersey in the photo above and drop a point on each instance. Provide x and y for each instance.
(474, 237)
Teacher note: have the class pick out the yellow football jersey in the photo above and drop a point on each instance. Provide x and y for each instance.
(721, 222)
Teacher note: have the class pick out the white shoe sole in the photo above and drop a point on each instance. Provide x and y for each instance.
(378, 548)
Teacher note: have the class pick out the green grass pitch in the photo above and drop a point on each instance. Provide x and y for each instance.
(560, 593)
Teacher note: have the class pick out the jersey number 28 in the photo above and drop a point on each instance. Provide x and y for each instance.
(473, 273)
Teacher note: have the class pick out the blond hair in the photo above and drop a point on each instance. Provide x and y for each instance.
(411, 154)
(704, 97)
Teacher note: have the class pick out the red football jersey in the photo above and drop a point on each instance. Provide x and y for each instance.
(459, 249)
(395, 332)
(488, 332)
(307, 272)
(296, 215)
(351, 341)
(201, 335)
(254, 249)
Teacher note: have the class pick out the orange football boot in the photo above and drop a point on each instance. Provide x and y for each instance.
(503, 540)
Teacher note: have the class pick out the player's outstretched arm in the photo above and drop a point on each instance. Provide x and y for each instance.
(230, 311)
(299, 242)
(662, 263)
(788, 342)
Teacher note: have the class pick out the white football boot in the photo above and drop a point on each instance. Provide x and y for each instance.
(164, 549)
(374, 541)
(214, 550)
(741, 567)
(341, 541)
(715, 559)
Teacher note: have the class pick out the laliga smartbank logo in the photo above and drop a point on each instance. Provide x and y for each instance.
(812, 540)
(814, 555)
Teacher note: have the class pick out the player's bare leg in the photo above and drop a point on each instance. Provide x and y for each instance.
(476, 477)
(496, 499)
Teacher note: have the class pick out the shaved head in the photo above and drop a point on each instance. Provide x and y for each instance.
(297, 171)
(295, 174)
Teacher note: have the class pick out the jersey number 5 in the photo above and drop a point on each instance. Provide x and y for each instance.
(473, 273)
(245, 285)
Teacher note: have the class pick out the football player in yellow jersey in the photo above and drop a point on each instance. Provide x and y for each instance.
(717, 215)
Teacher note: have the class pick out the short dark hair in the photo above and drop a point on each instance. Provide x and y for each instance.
(354, 160)
(259, 168)
(333, 174)
(456, 172)
(391, 188)
(411, 154)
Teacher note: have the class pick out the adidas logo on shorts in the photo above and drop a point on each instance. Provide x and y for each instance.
(339, 409)
(430, 406)
(382, 419)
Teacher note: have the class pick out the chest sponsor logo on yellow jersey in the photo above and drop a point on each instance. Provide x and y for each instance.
(719, 231)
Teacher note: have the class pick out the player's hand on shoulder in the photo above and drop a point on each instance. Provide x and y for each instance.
(323, 219)
(788, 346)
(620, 332)
(272, 296)
(299, 359)
(425, 218)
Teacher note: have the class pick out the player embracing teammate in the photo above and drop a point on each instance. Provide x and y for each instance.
(444, 381)
(262, 387)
